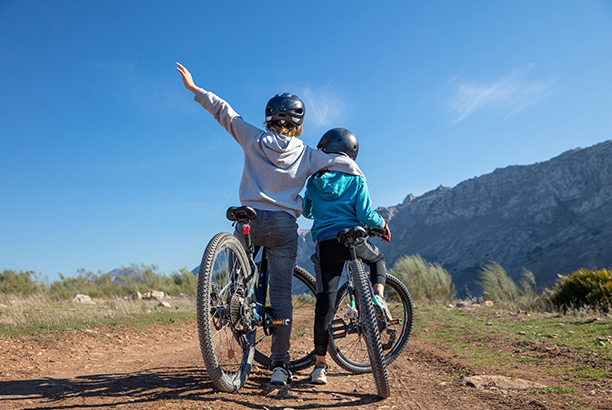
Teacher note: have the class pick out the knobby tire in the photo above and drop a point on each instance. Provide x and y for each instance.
(227, 354)
(369, 327)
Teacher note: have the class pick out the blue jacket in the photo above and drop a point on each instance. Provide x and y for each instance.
(335, 201)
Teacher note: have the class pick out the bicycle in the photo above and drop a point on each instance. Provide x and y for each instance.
(363, 311)
(348, 348)
(232, 303)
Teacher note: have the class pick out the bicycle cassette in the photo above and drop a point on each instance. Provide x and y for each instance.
(240, 313)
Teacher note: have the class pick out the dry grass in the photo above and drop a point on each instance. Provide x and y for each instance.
(38, 314)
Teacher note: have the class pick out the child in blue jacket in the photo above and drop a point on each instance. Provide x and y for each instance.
(336, 200)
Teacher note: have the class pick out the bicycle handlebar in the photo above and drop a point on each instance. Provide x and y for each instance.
(376, 232)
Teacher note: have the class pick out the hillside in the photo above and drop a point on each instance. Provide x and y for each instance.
(550, 218)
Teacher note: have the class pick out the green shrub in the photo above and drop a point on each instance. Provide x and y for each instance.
(183, 281)
(129, 281)
(497, 286)
(21, 283)
(87, 283)
(428, 283)
(101, 285)
(584, 288)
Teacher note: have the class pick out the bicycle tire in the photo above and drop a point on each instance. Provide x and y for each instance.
(350, 352)
(302, 330)
(224, 260)
(369, 327)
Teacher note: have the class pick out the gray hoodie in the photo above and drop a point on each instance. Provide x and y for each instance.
(275, 167)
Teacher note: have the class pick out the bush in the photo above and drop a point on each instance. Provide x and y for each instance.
(101, 285)
(497, 286)
(87, 283)
(128, 281)
(183, 282)
(584, 288)
(427, 283)
(22, 283)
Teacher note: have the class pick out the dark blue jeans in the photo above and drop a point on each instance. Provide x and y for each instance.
(277, 232)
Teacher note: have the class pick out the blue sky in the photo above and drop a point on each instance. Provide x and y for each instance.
(106, 160)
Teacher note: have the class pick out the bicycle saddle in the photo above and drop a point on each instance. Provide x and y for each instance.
(241, 214)
(351, 234)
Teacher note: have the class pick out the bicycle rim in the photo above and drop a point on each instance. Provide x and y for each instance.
(228, 355)
(302, 336)
(369, 327)
(351, 353)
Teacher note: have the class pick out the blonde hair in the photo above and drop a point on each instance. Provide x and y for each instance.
(287, 129)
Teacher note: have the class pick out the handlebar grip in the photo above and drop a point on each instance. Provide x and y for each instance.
(376, 231)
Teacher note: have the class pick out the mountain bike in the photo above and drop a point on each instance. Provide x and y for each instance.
(233, 308)
(348, 347)
(362, 316)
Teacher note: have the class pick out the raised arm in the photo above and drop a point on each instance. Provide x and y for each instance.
(187, 79)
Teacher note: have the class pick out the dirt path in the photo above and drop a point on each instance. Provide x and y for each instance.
(161, 367)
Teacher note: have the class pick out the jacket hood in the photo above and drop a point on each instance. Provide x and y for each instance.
(280, 150)
(331, 185)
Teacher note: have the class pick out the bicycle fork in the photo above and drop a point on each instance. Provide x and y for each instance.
(338, 328)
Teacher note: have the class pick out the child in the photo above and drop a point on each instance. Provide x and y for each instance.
(335, 201)
(276, 166)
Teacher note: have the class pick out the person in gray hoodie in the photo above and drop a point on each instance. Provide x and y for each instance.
(276, 167)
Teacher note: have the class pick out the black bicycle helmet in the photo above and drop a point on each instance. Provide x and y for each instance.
(339, 141)
(285, 107)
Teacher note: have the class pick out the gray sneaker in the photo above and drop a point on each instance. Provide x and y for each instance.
(280, 376)
(383, 305)
(319, 374)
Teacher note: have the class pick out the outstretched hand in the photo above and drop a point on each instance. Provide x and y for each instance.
(187, 79)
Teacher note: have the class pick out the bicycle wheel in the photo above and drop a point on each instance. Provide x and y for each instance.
(369, 327)
(350, 352)
(227, 353)
(302, 329)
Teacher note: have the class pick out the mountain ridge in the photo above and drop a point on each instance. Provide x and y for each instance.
(550, 217)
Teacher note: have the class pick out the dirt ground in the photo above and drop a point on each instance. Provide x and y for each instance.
(161, 367)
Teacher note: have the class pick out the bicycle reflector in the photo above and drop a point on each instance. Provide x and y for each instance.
(245, 229)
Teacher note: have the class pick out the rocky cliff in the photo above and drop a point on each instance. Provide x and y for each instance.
(549, 218)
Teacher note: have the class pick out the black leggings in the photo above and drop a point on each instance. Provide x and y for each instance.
(329, 261)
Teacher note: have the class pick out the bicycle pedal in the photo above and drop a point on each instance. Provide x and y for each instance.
(277, 323)
(338, 329)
